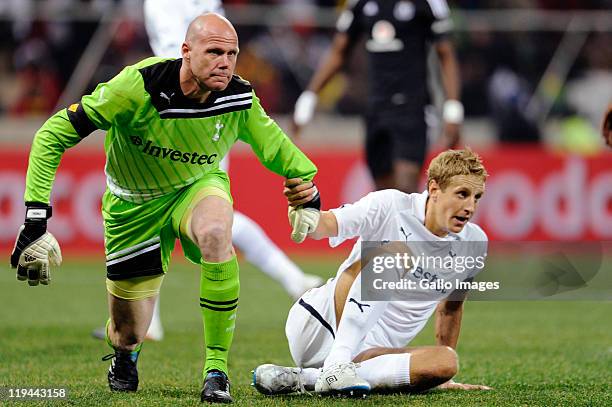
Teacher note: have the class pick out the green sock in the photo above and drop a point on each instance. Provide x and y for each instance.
(219, 289)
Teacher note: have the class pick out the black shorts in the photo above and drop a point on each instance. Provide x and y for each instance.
(392, 137)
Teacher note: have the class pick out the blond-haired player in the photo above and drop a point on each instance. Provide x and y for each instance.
(343, 343)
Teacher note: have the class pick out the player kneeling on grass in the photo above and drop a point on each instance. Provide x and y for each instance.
(169, 122)
(343, 343)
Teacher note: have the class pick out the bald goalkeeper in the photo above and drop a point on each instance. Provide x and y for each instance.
(169, 122)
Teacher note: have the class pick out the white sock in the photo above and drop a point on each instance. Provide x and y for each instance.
(259, 250)
(390, 371)
(358, 318)
(155, 328)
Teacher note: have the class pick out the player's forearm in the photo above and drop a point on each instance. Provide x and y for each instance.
(50, 142)
(327, 227)
(273, 148)
(331, 64)
(448, 323)
(449, 69)
(287, 160)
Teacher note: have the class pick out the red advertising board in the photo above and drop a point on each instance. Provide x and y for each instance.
(532, 194)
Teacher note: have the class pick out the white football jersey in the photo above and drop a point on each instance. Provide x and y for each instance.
(166, 22)
(391, 215)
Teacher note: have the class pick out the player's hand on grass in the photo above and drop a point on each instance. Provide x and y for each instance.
(35, 248)
(451, 385)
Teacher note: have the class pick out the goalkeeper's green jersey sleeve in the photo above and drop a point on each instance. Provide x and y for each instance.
(158, 140)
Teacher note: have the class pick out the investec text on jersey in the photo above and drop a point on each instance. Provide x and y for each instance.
(174, 155)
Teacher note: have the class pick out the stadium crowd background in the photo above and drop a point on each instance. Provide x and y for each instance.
(536, 79)
(503, 56)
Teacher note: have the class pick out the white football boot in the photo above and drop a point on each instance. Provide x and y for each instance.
(341, 379)
(271, 380)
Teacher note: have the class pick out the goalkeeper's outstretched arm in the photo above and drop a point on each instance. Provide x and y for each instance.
(110, 103)
(50, 142)
(35, 248)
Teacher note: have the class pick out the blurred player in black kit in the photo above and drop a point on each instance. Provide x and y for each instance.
(399, 34)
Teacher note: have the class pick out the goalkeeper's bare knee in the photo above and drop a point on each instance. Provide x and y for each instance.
(131, 302)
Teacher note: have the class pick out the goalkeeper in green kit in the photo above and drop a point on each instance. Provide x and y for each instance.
(169, 122)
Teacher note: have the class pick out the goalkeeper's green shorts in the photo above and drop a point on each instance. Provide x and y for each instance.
(139, 238)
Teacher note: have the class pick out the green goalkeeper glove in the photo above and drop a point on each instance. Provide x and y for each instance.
(34, 247)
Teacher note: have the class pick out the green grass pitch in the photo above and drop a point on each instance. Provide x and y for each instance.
(532, 353)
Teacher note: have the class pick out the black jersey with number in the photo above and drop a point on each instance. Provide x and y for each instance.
(398, 33)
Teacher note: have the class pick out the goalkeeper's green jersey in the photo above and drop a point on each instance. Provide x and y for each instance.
(158, 140)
